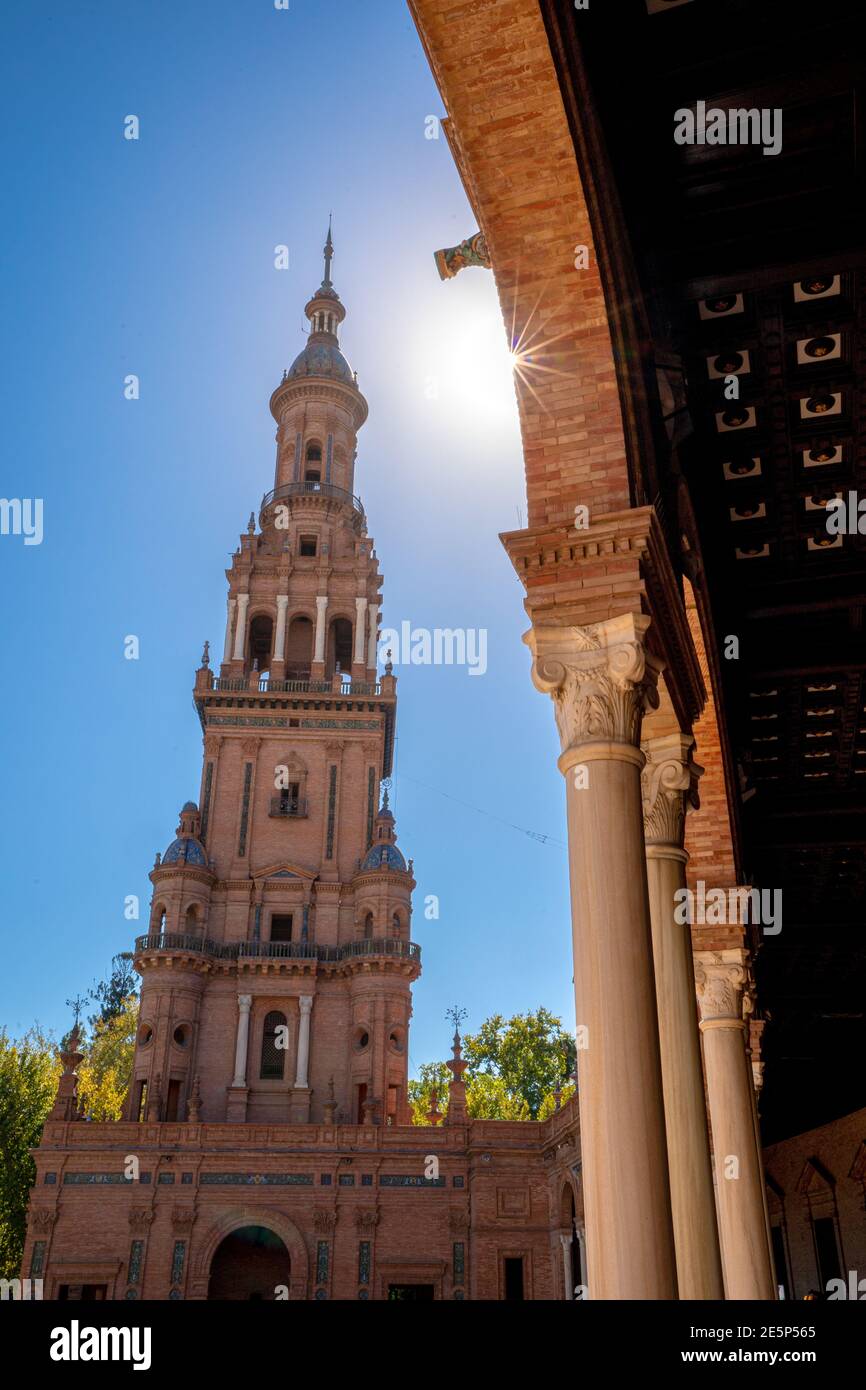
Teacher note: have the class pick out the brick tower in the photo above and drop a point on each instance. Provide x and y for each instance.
(277, 968)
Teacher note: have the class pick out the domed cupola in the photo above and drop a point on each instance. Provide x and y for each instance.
(187, 848)
(322, 356)
(383, 853)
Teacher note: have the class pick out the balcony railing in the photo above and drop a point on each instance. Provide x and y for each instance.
(306, 489)
(240, 685)
(287, 950)
(296, 809)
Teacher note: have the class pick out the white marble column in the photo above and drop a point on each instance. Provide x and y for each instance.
(241, 627)
(230, 615)
(601, 677)
(371, 636)
(721, 977)
(243, 1038)
(305, 1003)
(280, 638)
(360, 643)
(321, 610)
(669, 786)
(565, 1242)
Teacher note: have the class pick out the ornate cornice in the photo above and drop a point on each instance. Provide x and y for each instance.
(669, 787)
(601, 679)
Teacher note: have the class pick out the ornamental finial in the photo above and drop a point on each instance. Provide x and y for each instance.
(329, 255)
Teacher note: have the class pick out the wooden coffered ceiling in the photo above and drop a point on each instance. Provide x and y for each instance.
(727, 262)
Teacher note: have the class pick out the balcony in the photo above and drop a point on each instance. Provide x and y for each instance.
(291, 809)
(240, 685)
(310, 489)
(285, 950)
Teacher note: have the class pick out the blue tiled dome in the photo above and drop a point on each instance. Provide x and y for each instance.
(185, 850)
(384, 857)
(321, 359)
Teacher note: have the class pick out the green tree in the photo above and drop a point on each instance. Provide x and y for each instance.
(112, 995)
(421, 1090)
(548, 1105)
(513, 1069)
(105, 1074)
(530, 1053)
(29, 1072)
(488, 1098)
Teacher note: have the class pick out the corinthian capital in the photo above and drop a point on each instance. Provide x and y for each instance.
(669, 786)
(601, 678)
(720, 979)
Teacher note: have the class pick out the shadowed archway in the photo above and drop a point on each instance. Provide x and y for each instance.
(251, 1263)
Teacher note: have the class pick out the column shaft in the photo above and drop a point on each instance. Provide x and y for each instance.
(305, 1003)
(227, 645)
(280, 638)
(321, 609)
(241, 627)
(360, 642)
(243, 1038)
(669, 781)
(739, 1171)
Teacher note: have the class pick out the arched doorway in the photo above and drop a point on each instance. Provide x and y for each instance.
(249, 1263)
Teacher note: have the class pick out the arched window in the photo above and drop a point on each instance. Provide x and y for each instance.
(368, 926)
(313, 464)
(395, 924)
(274, 1047)
(339, 646)
(160, 920)
(299, 649)
(191, 926)
(261, 639)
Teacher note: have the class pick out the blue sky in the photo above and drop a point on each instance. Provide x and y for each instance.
(156, 258)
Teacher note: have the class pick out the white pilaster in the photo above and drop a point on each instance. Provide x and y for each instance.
(360, 610)
(244, 1005)
(241, 627)
(280, 639)
(371, 636)
(321, 610)
(230, 617)
(305, 1002)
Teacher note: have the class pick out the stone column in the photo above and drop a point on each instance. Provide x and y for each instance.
(565, 1242)
(669, 785)
(721, 977)
(227, 645)
(580, 1233)
(600, 678)
(244, 1005)
(371, 636)
(280, 638)
(241, 627)
(321, 609)
(305, 1003)
(360, 643)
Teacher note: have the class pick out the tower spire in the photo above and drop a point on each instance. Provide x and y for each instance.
(329, 255)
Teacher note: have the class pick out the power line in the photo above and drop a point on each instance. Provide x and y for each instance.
(533, 834)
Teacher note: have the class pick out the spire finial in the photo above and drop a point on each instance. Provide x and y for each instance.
(329, 255)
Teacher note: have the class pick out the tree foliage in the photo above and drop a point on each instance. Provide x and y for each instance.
(105, 1074)
(29, 1071)
(514, 1067)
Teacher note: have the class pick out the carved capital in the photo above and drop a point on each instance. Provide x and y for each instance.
(601, 678)
(367, 1219)
(182, 1218)
(250, 747)
(324, 1222)
(720, 978)
(212, 744)
(42, 1219)
(140, 1219)
(458, 1220)
(669, 787)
